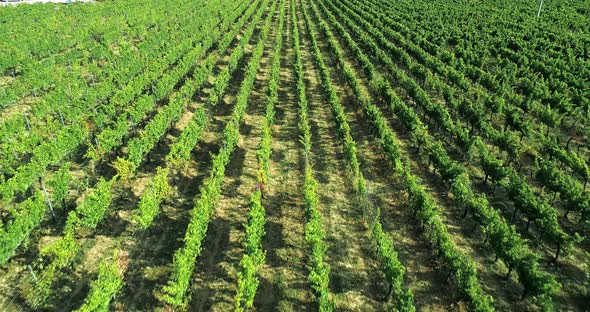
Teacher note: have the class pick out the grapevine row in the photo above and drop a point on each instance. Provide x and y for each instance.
(93, 208)
(29, 130)
(254, 255)
(158, 189)
(507, 244)
(70, 137)
(422, 205)
(37, 78)
(513, 114)
(179, 154)
(185, 258)
(152, 132)
(107, 284)
(315, 234)
(518, 189)
(392, 268)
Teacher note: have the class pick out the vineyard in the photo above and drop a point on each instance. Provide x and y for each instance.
(295, 155)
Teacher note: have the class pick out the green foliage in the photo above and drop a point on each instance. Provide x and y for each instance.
(60, 183)
(254, 255)
(93, 208)
(124, 168)
(149, 203)
(184, 258)
(422, 205)
(29, 215)
(106, 286)
(390, 265)
(319, 270)
(180, 151)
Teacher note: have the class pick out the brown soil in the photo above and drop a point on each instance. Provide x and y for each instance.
(215, 283)
(355, 278)
(283, 278)
(453, 222)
